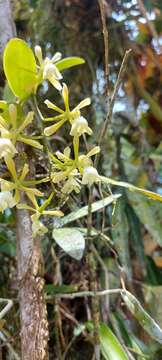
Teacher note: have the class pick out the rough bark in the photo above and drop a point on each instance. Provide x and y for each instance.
(7, 26)
(34, 326)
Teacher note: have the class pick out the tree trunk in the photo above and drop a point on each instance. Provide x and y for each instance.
(7, 26)
(34, 326)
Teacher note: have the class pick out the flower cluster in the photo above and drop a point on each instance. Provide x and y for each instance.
(12, 126)
(78, 122)
(71, 173)
(68, 173)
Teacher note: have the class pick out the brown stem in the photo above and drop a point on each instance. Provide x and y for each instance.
(106, 43)
(112, 101)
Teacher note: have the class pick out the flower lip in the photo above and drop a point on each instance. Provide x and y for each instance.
(38, 228)
(52, 74)
(6, 148)
(90, 176)
(91, 170)
(48, 70)
(80, 126)
(6, 200)
(81, 121)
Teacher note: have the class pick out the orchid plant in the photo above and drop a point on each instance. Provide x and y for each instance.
(68, 173)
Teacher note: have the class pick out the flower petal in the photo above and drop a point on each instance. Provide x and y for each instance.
(55, 83)
(93, 151)
(53, 212)
(24, 172)
(83, 104)
(50, 130)
(11, 167)
(38, 53)
(50, 105)
(28, 120)
(65, 95)
(56, 57)
(29, 141)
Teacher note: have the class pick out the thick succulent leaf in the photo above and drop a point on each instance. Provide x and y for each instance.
(120, 234)
(146, 321)
(149, 214)
(135, 234)
(126, 336)
(79, 213)
(153, 300)
(69, 62)
(130, 187)
(20, 68)
(110, 347)
(71, 240)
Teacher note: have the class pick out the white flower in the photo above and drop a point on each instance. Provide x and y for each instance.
(38, 228)
(51, 73)
(90, 175)
(80, 126)
(6, 148)
(6, 200)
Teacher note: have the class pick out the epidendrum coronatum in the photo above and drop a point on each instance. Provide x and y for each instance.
(25, 71)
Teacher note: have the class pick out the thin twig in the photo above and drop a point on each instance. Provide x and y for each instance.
(13, 354)
(106, 43)
(85, 293)
(68, 347)
(5, 310)
(112, 101)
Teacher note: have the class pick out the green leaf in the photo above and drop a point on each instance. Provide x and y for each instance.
(150, 214)
(71, 240)
(120, 235)
(150, 194)
(135, 233)
(20, 68)
(79, 213)
(69, 62)
(8, 94)
(146, 321)
(110, 347)
(148, 5)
